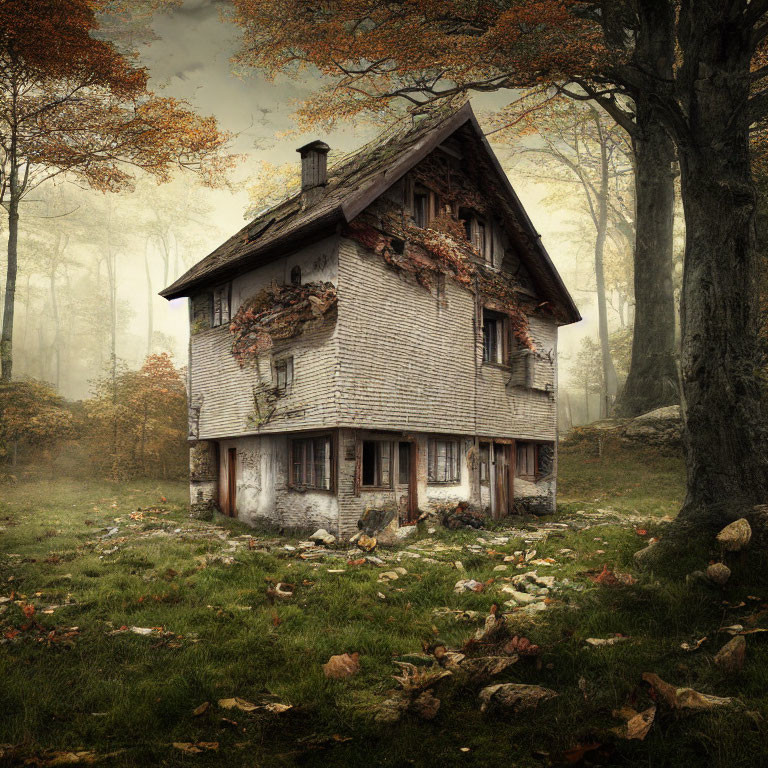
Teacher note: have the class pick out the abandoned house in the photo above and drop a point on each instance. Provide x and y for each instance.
(383, 341)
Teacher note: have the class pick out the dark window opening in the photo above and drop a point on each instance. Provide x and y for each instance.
(377, 464)
(481, 242)
(398, 245)
(495, 338)
(440, 286)
(283, 374)
(465, 215)
(421, 209)
(296, 275)
(311, 463)
(403, 463)
(443, 461)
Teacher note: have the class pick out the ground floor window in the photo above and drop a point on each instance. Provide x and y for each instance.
(443, 461)
(527, 460)
(377, 464)
(485, 463)
(311, 463)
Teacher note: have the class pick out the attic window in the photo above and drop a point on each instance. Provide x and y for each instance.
(421, 209)
(296, 275)
(284, 374)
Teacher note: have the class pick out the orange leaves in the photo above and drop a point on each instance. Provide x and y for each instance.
(375, 52)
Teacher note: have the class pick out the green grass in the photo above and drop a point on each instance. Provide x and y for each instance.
(135, 695)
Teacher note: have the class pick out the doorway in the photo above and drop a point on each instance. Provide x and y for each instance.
(503, 476)
(405, 483)
(230, 498)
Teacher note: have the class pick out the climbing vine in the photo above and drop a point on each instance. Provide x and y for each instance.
(279, 312)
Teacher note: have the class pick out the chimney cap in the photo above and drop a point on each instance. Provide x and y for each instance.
(314, 146)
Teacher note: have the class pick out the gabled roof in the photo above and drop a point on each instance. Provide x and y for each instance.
(352, 186)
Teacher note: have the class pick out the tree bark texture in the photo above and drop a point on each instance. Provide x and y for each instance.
(652, 379)
(724, 434)
(9, 305)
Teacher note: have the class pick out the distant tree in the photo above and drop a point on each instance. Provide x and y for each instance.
(141, 431)
(72, 104)
(31, 414)
(587, 371)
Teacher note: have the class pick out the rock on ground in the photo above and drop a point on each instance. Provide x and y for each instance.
(718, 573)
(730, 657)
(736, 536)
(323, 537)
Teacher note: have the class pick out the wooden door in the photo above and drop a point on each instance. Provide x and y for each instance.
(503, 469)
(231, 505)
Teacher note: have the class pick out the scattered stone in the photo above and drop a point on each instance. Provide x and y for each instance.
(321, 536)
(718, 573)
(468, 585)
(514, 696)
(520, 598)
(730, 658)
(644, 557)
(283, 591)
(403, 532)
(736, 536)
(342, 666)
(388, 576)
(500, 568)
(636, 725)
(366, 543)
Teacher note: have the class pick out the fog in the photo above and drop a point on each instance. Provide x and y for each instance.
(156, 232)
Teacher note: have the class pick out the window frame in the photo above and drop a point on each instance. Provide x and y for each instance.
(378, 464)
(501, 357)
(224, 295)
(433, 457)
(307, 446)
(484, 462)
(532, 449)
(277, 364)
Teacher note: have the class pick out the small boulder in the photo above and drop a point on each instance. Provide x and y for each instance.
(342, 666)
(730, 657)
(321, 536)
(736, 536)
(404, 531)
(514, 696)
(366, 543)
(644, 557)
(718, 573)
(468, 585)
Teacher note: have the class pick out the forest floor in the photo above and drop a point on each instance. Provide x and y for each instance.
(120, 618)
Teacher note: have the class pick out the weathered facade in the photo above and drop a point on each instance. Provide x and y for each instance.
(385, 342)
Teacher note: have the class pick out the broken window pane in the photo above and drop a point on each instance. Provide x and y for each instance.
(485, 462)
(283, 374)
(490, 339)
(421, 209)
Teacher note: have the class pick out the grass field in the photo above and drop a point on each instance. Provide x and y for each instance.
(204, 592)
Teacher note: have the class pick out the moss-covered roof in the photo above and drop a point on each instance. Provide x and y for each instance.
(353, 184)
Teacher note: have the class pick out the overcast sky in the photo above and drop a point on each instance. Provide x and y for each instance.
(191, 59)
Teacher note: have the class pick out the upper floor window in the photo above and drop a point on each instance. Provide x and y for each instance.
(495, 334)
(283, 374)
(443, 461)
(222, 296)
(425, 206)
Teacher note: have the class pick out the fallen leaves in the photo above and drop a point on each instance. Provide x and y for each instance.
(636, 725)
(196, 747)
(685, 698)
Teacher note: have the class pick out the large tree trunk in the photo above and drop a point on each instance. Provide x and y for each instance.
(652, 379)
(724, 434)
(9, 306)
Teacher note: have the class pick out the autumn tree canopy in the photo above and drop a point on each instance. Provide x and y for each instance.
(73, 104)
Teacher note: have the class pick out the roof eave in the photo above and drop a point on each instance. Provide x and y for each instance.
(311, 232)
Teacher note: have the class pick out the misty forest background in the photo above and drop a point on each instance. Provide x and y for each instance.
(93, 340)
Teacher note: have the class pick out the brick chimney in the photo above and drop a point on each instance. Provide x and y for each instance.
(314, 171)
